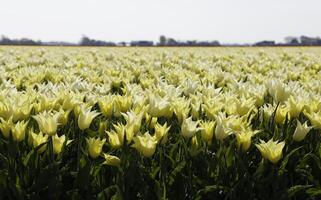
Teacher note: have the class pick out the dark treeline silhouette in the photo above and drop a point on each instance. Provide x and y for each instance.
(23, 41)
(141, 43)
(86, 41)
(163, 41)
(293, 41)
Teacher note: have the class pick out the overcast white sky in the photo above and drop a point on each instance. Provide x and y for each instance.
(124, 20)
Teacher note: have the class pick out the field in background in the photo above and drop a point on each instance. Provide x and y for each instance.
(160, 123)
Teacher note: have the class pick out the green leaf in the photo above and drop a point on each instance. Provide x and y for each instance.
(297, 188)
(3, 178)
(155, 172)
(314, 192)
(3, 159)
(210, 188)
(259, 172)
(177, 170)
(230, 156)
(27, 158)
(313, 157)
(111, 192)
(285, 161)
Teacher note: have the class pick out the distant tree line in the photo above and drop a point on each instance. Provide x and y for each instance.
(86, 41)
(163, 41)
(293, 41)
(23, 41)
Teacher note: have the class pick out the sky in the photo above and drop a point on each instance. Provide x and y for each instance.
(229, 21)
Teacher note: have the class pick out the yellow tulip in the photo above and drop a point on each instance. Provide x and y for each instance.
(21, 113)
(48, 122)
(159, 107)
(222, 130)
(58, 142)
(106, 106)
(295, 106)
(189, 127)
(271, 150)
(111, 160)
(45, 104)
(145, 144)
(115, 139)
(278, 91)
(6, 110)
(38, 139)
(63, 117)
(161, 132)
(244, 139)
(315, 119)
(19, 131)
(5, 126)
(181, 109)
(207, 131)
(122, 104)
(280, 115)
(85, 117)
(69, 101)
(301, 131)
(133, 120)
(151, 121)
(95, 146)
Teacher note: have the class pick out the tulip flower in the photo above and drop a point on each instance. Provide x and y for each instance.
(95, 146)
(19, 131)
(207, 131)
(5, 126)
(63, 117)
(86, 117)
(222, 130)
(301, 131)
(114, 139)
(122, 104)
(48, 122)
(58, 142)
(315, 119)
(133, 120)
(244, 139)
(295, 106)
(6, 110)
(106, 106)
(271, 150)
(38, 139)
(145, 144)
(280, 114)
(181, 109)
(189, 127)
(111, 160)
(161, 132)
(159, 107)
(278, 90)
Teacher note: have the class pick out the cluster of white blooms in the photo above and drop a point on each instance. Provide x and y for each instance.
(215, 94)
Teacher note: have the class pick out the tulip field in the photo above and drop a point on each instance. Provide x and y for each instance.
(160, 123)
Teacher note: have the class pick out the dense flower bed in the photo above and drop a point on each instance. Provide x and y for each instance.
(160, 123)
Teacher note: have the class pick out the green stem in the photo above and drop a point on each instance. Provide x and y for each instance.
(80, 138)
(163, 171)
(51, 154)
